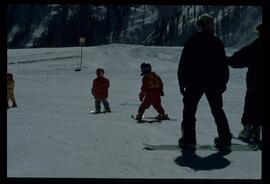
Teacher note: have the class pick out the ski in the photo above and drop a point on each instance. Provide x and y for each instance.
(146, 120)
(101, 112)
(258, 145)
(203, 147)
(151, 119)
(11, 107)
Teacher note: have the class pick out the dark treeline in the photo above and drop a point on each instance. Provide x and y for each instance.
(62, 25)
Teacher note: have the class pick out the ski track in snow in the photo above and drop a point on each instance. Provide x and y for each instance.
(53, 134)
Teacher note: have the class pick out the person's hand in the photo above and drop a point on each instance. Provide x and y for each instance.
(162, 93)
(228, 58)
(223, 89)
(182, 90)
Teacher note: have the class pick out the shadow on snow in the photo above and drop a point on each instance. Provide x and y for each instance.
(195, 162)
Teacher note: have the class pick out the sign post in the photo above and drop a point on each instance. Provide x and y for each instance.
(81, 41)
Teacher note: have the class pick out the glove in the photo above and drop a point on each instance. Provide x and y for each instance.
(182, 90)
(161, 93)
(223, 89)
(228, 59)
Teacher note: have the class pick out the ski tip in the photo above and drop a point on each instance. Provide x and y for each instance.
(147, 147)
(255, 147)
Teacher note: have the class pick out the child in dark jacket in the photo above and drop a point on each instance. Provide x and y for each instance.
(100, 91)
(151, 90)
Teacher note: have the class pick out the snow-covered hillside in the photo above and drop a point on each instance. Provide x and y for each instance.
(53, 134)
(37, 25)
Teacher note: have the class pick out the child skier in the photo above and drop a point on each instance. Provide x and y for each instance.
(10, 90)
(151, 90)
(100, 91)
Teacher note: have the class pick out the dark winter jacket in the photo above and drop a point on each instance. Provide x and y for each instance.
(250, 56)
(100, 88)
(203, 63)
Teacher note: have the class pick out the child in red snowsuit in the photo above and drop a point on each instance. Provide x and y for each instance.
(100, 91)
(151, 90)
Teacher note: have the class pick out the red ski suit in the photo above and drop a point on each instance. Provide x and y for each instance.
(100, 88)
(151, 90)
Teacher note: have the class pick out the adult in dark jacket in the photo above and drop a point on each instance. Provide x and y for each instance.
(251, 57)
(203, 70)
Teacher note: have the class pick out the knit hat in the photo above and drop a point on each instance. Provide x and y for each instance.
(9, 76)
(100, 71)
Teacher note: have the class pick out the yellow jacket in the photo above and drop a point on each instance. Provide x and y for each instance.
(10, 84)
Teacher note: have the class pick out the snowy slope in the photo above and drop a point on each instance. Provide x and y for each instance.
(53, 134)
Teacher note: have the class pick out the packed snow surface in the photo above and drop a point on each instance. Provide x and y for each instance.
(53, 134)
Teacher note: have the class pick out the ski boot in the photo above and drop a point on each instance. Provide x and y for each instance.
(248, 133)
(162, 116)
(223, 146)
(256, 134)
(14, 105)
(95, 112)
(107, 110)
(255, 137)
(186, 146)
(139, 117)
